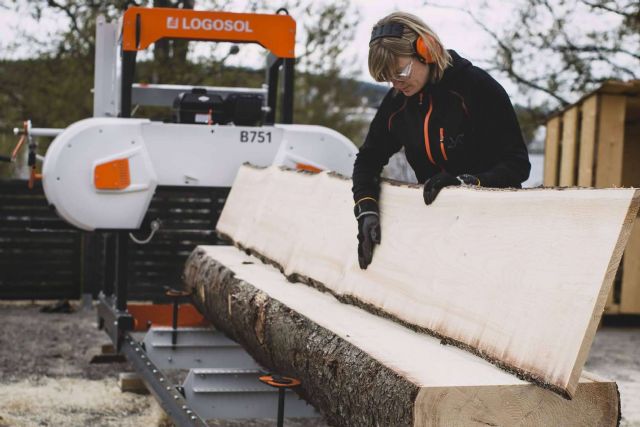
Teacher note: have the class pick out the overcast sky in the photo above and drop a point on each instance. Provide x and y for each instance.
(455, 29)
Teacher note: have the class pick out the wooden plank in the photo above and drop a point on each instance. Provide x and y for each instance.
(629, 89)
(618, 87)
(588, 131)
(610, 146)
(610, 141)
(359, 369)
(569, 148)
(551, 152)
(630, 293)
(476, 267)
(130, 382)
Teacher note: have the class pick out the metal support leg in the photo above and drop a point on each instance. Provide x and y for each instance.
(175, 295)
(282, 384)
(105, 296)
(287, 96)
(174, 323)
(281, 407)
(122, 270)
(112, 312)
(109, 264)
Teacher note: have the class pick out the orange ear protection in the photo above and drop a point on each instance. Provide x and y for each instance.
(396, 29)
(422, 50)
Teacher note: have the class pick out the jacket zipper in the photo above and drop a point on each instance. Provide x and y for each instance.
(426, 132)
(444, 152)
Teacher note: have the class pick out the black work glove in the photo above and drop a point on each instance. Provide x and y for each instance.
(369, 233)
(443, 179)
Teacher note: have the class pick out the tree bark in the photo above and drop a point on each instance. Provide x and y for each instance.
(356, 384)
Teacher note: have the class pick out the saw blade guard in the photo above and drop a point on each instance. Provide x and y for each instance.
(98, 174)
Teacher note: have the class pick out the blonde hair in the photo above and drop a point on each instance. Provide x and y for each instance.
(384, 51)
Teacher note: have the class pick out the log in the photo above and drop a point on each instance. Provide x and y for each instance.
(518, 277)
(359, 369)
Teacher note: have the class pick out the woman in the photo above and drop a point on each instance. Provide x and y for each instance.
(455, 122)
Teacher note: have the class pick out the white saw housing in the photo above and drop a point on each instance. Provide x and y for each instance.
(168, 154)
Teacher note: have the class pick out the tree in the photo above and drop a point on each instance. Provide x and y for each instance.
(564, 48)
(326, 87)
(65, 61)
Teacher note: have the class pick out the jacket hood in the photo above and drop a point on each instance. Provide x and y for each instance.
(458, 65)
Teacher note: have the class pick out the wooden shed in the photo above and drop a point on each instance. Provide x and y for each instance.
(596, 143)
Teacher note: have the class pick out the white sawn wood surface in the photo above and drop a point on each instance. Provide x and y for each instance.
(455, 388)
(519, 276)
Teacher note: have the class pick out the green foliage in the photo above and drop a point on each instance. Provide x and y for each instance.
(52, 92)
(53, 86)
(326, 90)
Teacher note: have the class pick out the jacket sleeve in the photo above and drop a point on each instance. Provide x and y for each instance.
(374, 154)
(513, 165)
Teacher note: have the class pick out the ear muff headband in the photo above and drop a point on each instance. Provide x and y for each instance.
(396, 30)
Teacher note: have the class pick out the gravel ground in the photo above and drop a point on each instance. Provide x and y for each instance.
(46, 380)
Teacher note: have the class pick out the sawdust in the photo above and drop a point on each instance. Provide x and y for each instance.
(75, 402)
(50, 344)
(46, 378)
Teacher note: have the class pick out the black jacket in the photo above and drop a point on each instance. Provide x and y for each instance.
(472, 128)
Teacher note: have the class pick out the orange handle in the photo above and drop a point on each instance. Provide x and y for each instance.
(14, 154)
(33, 177)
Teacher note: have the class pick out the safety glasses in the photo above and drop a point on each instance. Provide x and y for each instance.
(404, 74)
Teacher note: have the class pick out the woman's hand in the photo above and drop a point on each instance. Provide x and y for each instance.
(443, 179)
(369, 233)
(368, 236)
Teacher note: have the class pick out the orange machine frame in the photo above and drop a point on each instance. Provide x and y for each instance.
(143, 26)
(147, 315)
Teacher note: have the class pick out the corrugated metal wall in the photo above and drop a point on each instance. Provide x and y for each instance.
(42, 257)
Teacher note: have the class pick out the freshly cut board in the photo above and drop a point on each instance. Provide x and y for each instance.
(518, 277)
(360, 369)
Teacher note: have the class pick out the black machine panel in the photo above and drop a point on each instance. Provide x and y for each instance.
(202, 107)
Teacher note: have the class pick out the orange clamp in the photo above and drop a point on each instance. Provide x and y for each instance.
(279, 381)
